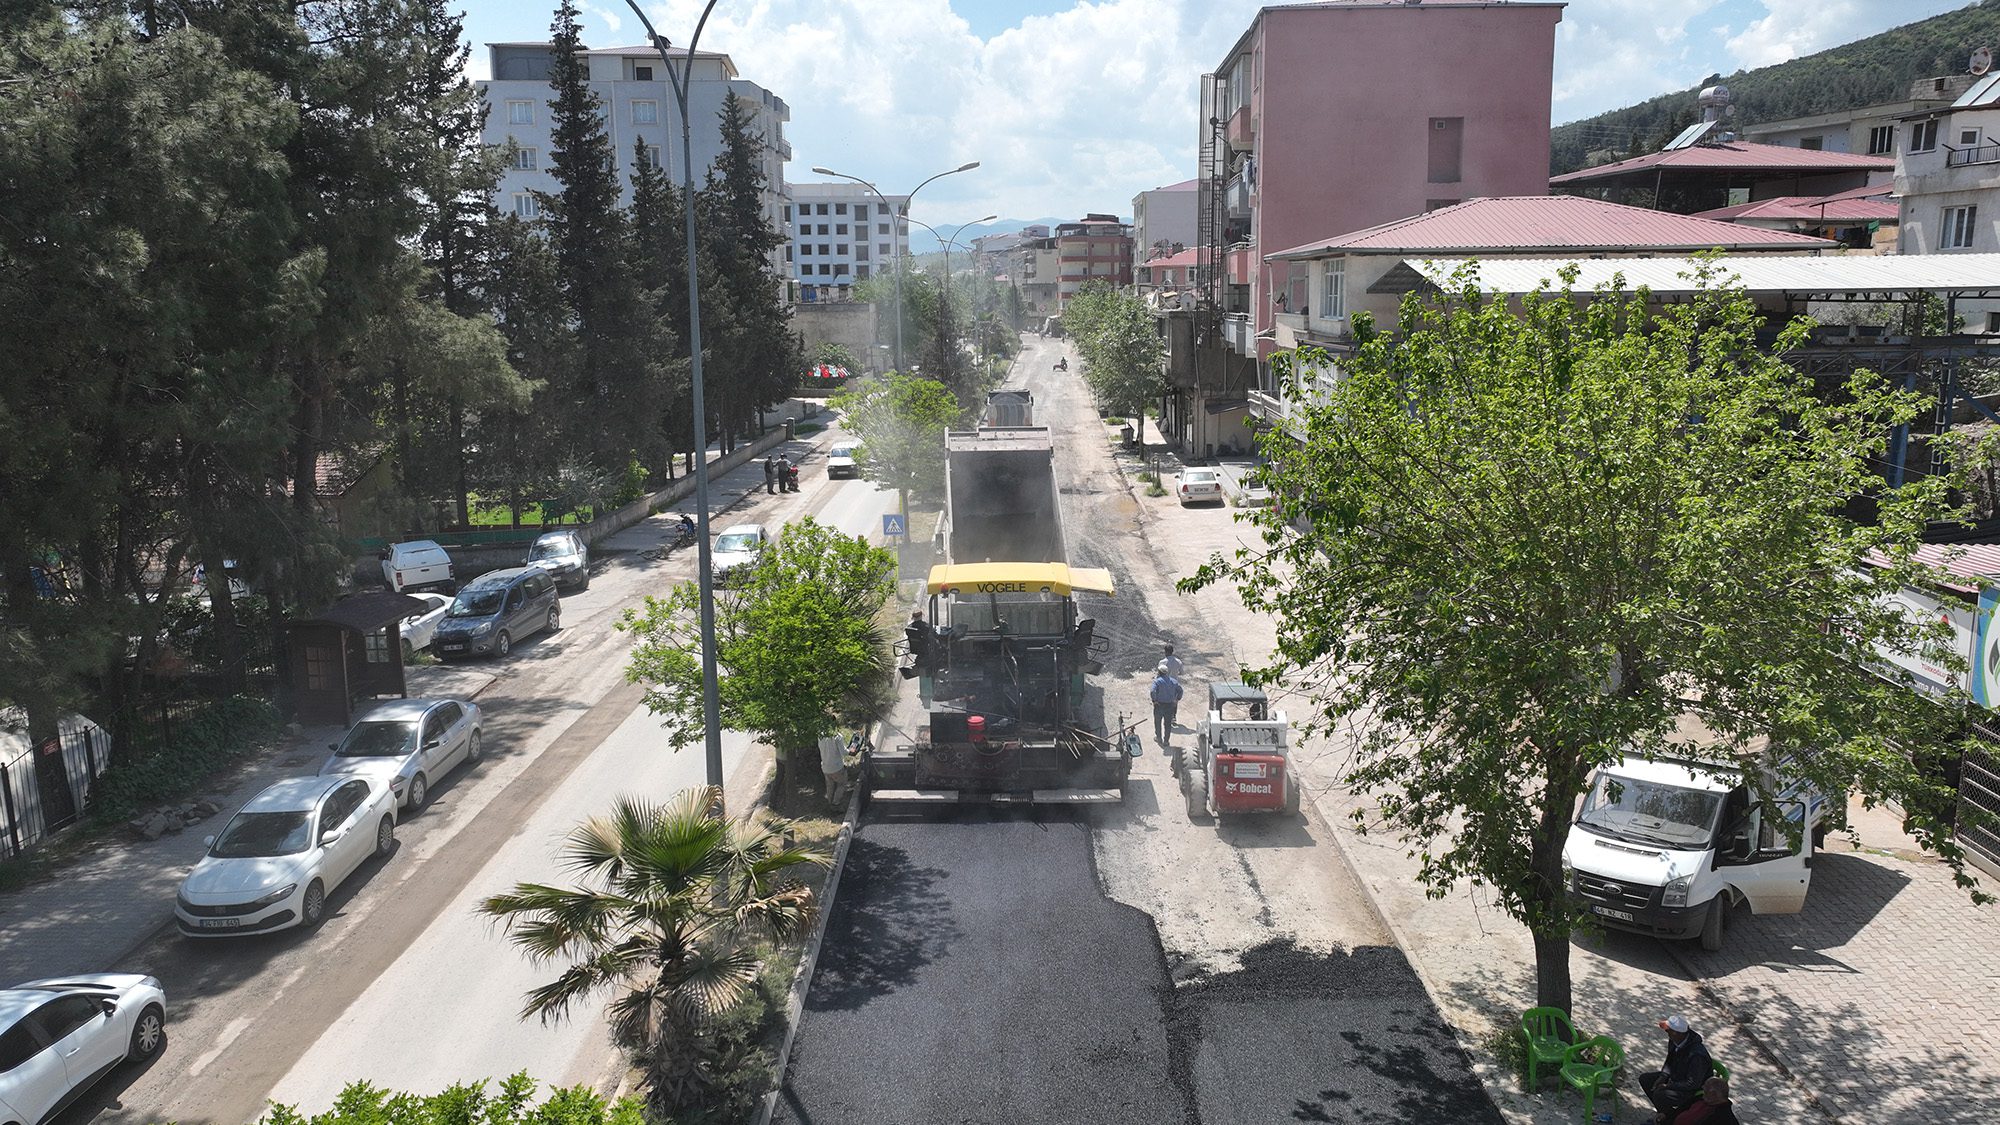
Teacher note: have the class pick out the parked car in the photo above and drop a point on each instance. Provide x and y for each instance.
(1252, 493)
(59, 1036)
(495, 610)
(841, 460)
(409, 743)
(417, 565)
(565, 556)
(738, 548)
(419, 628)
(277, 859)
(1200, 486)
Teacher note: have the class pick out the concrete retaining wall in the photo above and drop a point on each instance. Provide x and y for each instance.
(637, 510)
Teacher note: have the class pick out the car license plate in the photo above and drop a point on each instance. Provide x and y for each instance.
(220, 923)
(451, 648)
(1621, 915)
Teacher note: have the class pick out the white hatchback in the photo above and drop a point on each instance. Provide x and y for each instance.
(59, 1036)
(280, 856)
(840, 460)
(410, 743)
(738, 548)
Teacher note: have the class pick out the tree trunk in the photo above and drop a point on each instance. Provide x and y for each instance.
(1546, 905)
(1552, 984)
(399, 374)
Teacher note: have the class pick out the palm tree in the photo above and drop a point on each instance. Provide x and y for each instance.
(681, 897)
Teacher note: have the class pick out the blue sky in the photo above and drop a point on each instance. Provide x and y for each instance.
(1078, 105)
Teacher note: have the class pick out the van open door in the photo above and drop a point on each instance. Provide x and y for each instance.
(1769, 860)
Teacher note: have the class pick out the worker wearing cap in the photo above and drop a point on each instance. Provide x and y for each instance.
(1166, 696)
(1678, 1084)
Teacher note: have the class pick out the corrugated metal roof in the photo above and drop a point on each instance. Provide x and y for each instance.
(1531, 223)
(1808, 207)
(1884, 190)
(1886, 273)
(1974, 561)
(1735, 156)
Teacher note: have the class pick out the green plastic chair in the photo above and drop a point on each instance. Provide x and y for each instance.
(1721, 1071)
(1591, 1064)
(1549, 1034)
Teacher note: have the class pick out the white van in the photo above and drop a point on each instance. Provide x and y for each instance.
(419, 564)
(1667, 847)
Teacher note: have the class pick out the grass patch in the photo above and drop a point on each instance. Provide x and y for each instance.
(1155, 488)
(804, 428)
(205, 743)
(1509, 1051)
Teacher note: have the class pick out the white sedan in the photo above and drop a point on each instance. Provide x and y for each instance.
(287, 849)
(59, 1036)
(1200, 485)
(419, 628)
(409, 743)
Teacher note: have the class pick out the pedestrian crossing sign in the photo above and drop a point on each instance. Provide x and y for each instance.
(892, 523)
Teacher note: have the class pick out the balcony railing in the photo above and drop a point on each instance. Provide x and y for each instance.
(1236, 197)
(1237, 332)
(1978, 154)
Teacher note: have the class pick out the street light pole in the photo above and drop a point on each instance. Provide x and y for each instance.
(897, 243)
(711, 698)
(944, 298)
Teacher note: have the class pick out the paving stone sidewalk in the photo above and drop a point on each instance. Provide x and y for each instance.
(1876, 1004)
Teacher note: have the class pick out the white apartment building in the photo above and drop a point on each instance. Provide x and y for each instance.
(639, 108)
(1163, 221)
(841, 233)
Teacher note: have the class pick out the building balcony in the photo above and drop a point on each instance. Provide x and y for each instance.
(1239, 332)
(1239, 263)
(1236, 197)
(1241, 133)
(1978, 154)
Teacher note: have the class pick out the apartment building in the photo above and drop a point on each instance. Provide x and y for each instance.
(1326, 118)
(639, 110)
(1868, 130)
(1948, 176)
(842, 233)
(1163, 221)
(1094, 248)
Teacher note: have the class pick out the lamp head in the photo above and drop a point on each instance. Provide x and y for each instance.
(968, 166)
(819, 171)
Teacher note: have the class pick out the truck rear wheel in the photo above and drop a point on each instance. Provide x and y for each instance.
(1195, 785)
(1717, 921)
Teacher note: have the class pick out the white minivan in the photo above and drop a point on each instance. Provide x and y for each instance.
(1667, 847)
(419, 564)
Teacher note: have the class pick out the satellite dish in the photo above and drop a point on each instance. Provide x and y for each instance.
(1982, 60)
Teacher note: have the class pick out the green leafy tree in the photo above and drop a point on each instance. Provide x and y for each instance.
(1533, 541)
(901, 421)
(836, 355)
(512, 1103)
(797, 642)
(677, 897)
(755, 355)
(1119, 341)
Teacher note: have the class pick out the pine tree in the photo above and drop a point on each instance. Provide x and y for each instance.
(756, 357)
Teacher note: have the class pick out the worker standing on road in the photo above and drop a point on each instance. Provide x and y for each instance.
(771, 475)
(1172, 663)
(1166, 700)
(1678, 1084)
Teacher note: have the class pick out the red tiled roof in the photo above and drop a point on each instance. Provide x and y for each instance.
(1736, 156)
(1813, 208)
(1536, 223)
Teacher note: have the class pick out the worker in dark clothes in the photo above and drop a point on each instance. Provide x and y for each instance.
(771, 475)
(1712, 1108)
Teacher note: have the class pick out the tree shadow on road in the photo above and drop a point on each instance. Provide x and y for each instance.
(873, 952)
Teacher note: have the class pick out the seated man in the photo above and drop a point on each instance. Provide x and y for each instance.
(1678, 1084)
(1713, 1108)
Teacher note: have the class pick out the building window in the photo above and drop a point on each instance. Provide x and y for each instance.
(1923, 136)
(524, 160)
(1447, 138)
(1967, 138)
(649, 158)
(822, 228)
(840, 208)
(861, 272)
(786, 210)
(841, 249)
(826, 270)
(840, 228)
(520, 113)
(881, 228)
(805, 249)
(822, 208)
(526, 206)
(1957, 230)
(1881, 139)
(883, 249)
(1812, 144)
(645, 113)
(1993, 324)
(826, 248)
(1333, 288)
(861, 252)
(881, 208)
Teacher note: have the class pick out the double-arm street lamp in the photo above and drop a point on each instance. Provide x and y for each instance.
(899, 235)
(711, 701)
(944, 302)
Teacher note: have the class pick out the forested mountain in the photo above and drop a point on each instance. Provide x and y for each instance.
(1867, 71)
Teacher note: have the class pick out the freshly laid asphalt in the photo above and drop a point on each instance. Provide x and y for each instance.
(974, 972)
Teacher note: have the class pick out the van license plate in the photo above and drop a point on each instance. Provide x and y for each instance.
(1621, 915)
(451, 648)
(220, 923)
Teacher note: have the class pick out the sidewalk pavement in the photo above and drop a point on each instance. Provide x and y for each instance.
(107, 901)
(1875, 1004)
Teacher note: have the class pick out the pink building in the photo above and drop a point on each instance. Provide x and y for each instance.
(1333, 117)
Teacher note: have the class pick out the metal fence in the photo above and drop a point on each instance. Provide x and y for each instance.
(45, 788)
(1979, 789)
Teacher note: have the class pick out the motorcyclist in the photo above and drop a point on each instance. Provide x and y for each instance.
(686, 527)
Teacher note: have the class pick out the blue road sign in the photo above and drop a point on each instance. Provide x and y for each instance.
(892, 523)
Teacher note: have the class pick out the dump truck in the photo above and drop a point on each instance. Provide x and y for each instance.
(1002, 666)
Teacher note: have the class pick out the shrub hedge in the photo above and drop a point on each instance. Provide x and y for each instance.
(219, 735)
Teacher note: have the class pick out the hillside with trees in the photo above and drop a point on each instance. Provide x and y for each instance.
(1867, 71)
